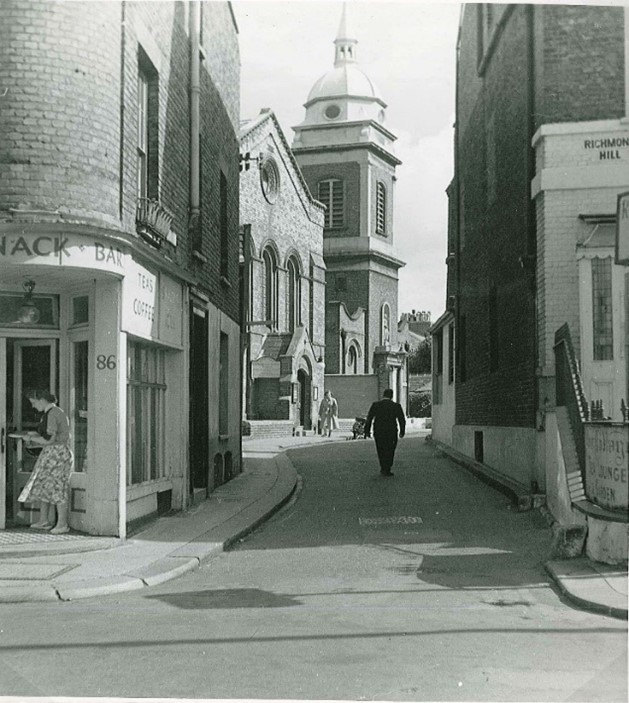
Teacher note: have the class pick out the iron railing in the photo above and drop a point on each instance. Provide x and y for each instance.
(569, 389)
(153, 220)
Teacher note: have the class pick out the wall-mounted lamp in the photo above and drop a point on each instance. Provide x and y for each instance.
(246, 160)
(28, 314)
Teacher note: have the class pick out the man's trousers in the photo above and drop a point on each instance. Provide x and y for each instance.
(385, 446)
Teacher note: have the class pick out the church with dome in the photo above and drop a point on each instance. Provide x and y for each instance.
(346, 154)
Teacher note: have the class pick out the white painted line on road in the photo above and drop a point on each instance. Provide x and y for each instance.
(402, 520)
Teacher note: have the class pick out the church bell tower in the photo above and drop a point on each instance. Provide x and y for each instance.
(346, 154)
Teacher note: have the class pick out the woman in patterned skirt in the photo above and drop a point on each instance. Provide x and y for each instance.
(51, 475)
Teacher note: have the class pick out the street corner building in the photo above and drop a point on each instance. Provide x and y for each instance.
(283, 285)
(530, 356)
(346, 153)
(119, 274)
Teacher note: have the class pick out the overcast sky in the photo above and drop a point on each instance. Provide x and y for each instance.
(408, 50)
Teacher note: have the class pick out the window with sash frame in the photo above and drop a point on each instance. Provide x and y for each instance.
(146, 412)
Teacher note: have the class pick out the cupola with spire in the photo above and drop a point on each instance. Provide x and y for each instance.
(347, 97)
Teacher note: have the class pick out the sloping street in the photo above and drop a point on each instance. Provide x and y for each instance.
(426, 586)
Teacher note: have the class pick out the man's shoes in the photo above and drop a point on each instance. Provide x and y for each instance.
(387, 473)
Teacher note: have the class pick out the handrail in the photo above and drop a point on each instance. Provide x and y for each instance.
(569, 389)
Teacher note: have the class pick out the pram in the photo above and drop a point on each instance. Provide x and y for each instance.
(358, 428)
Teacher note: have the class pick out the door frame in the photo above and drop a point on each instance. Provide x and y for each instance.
(18, 477)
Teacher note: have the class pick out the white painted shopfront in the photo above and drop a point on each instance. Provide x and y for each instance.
(110, 342)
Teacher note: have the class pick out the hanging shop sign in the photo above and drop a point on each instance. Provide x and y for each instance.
(622, 230)
(152, 305)
(71, 250)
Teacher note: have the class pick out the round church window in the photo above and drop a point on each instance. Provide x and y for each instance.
(332, 112)
(270, 179)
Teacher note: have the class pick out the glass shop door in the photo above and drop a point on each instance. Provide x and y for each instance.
(30, 364)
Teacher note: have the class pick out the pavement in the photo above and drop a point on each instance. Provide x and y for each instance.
(37, 566)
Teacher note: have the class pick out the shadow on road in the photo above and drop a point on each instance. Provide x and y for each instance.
(446, 527)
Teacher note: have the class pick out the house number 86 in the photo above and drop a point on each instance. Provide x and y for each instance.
(105, 362)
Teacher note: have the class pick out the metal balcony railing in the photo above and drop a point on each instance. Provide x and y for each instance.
(153, 221)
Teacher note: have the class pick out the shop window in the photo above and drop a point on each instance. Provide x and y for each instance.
(146, 413)
(80, 400)
(602, 321)
(80, 310)
(12, 307)
(331, 193)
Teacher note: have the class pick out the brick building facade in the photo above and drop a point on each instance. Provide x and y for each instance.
(283, 275)
(118, 185)
(535, 84)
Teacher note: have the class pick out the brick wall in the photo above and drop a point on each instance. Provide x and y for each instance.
(580, 63)
(495, 136)
(60, 116)
(573, 46)
(68, 146)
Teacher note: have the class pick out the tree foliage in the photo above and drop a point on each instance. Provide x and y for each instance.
(420, 359)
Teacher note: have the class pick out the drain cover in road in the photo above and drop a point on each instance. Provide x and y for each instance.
(17, 571)
(401, 520)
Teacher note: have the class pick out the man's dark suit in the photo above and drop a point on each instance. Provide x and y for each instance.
(385, 415)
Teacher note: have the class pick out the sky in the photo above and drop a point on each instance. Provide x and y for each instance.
(408, 50)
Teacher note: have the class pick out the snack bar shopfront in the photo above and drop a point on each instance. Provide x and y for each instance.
(103, 330)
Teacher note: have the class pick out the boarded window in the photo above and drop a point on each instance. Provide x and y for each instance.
(331, 194)
(381, 208)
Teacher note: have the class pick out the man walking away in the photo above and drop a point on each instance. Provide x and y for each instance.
(386, 415)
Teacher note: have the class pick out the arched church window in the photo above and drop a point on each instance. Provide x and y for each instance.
(352, 360)
(381, 208)
(311, 299)
(270, 286)
(331, 193)
(385, 327)
(294, 294)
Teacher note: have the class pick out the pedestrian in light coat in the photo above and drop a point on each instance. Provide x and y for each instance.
(329, 414)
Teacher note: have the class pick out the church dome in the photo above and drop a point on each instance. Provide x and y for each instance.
(344, 80)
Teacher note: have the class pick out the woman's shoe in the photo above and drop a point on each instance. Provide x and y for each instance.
(41, 526)
(59, 530)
